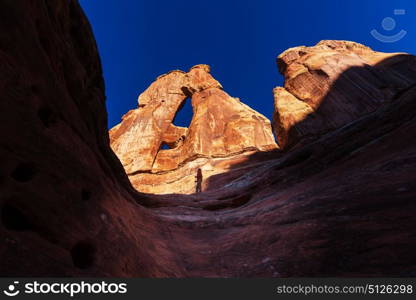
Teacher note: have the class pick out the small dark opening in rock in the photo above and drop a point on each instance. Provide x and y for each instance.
(13, 219)
(85, 195)
(164, 146)
(47, 116)
(83, 255)
(24, 172)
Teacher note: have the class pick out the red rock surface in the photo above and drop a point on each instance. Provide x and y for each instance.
(340, 205)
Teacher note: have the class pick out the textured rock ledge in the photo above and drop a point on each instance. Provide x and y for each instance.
(332, 84)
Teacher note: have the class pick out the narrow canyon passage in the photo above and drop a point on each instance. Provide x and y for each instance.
(334, 197)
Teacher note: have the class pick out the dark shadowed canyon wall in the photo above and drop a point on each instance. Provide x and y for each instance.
(337, 201)
(66, 207)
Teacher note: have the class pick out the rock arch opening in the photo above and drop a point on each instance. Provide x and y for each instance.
(183, 116)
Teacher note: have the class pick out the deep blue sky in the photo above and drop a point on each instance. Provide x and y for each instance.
(139, 40)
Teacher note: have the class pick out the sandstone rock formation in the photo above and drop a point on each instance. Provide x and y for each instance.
(332, 84)
(340, 205)
(223, 131)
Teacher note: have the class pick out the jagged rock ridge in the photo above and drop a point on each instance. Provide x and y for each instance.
(223, 132)
(332, 84)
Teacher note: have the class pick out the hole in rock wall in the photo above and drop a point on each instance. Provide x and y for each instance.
(83, 255)
(24, 172)
(13, 219)
(85, 195)
(164, 146)
(184, 114)
(47, 116)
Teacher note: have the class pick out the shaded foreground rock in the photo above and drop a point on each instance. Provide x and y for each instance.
(342, 205)
(223, 131)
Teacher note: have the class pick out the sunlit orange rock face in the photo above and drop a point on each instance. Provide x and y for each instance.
(223, 132)
(332, 84)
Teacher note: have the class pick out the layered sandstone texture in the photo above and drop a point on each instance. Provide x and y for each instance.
(223, 132)
(332, 84)
(342, 204)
